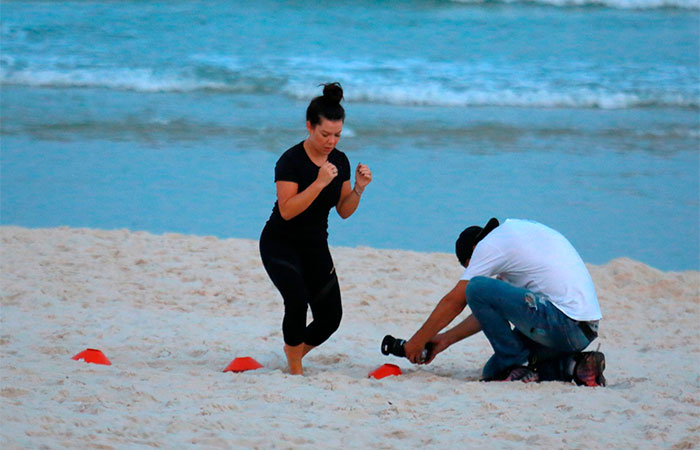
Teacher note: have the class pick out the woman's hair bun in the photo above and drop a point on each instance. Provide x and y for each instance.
(333, 92)
(327, 105)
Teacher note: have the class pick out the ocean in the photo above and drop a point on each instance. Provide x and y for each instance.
(169, 116)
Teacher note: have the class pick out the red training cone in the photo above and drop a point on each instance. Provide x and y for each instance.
(385, 371)
(94, 356)
(243, 364)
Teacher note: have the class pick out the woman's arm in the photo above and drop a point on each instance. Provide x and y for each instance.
(291, 202)
(350, 198)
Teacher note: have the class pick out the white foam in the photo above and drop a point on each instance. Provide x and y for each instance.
(437, 95)
(618, 4)
(142, 80)
(397, 82)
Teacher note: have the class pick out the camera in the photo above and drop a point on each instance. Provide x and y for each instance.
(394, 346)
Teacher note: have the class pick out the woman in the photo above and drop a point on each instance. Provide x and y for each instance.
(312, 177)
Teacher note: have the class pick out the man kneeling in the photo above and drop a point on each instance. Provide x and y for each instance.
(542, 288)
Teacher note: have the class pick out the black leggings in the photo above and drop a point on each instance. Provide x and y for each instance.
(305, 276)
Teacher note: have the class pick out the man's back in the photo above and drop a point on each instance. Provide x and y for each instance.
(533, 256)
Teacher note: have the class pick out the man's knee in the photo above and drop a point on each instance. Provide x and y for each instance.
(477, 291)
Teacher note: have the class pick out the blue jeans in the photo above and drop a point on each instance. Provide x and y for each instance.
(541, 332)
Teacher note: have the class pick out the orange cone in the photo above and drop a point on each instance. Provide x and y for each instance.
(242, 364)
(385, 371)
(94, 356)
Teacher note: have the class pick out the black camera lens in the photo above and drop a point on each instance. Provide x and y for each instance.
(393, 346)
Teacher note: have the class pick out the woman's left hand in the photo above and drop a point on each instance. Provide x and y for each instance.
(363, 176)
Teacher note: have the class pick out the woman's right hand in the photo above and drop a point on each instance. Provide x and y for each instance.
(326, 173)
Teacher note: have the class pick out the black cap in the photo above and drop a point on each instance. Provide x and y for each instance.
(470, 237)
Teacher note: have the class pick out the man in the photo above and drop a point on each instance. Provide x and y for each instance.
(542, 288)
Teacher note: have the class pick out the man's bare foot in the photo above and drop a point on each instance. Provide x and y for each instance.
(294, 355)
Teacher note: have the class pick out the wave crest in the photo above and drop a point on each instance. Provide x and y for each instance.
(540, 98)
(372, 85)
(142, 80)
(616, 4)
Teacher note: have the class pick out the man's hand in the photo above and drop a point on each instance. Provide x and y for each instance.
(439, 343)
(414, 351)
(446, 310)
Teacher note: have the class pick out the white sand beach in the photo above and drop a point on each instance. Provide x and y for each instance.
(172, 311)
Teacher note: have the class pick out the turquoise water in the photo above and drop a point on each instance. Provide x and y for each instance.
(169, 117)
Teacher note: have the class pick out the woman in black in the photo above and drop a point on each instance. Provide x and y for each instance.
(312, 177)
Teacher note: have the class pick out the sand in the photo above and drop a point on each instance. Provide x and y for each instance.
(172, 311)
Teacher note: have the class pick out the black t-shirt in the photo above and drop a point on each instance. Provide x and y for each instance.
(294, 165)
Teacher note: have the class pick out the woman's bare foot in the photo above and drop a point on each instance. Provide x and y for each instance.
(307, 349)
(294, 355)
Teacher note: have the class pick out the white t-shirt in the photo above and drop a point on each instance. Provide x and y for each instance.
(533, 256)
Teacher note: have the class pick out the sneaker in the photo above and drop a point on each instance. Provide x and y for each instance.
(589, 369)
(522, 374)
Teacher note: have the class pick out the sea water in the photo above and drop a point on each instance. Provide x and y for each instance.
(169, 117)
